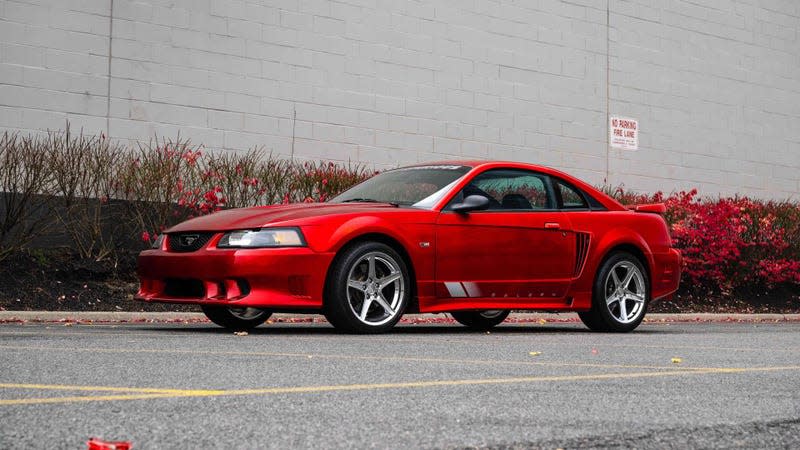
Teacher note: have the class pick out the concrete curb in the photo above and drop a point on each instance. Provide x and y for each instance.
(124, 316)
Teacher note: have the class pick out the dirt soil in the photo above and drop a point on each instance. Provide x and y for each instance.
(56, 280)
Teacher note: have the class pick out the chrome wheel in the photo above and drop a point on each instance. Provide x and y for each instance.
(481, 320)
(492, 313)
(236, 318)
(246, 313)
(375, 288)
(625, 292)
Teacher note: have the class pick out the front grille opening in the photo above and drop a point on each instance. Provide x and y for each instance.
(187, 242)
(184, 288)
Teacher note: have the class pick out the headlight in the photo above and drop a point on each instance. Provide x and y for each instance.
(159, 241)
(267, 237)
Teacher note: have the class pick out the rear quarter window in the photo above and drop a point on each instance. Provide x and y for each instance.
(571, 198)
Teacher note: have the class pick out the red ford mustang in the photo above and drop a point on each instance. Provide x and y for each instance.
(475, 239)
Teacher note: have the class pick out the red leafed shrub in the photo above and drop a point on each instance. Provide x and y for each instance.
(170, 181)
(106, 198)
(101, 198)
(731, 244)
(318, 181)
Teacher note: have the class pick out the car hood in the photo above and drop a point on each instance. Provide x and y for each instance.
(260, 216)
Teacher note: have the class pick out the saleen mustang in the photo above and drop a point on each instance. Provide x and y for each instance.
(475, 239)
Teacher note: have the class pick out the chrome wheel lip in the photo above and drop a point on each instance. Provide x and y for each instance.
(491, 313)
(367, 292)
(245, 313)
(625, 292)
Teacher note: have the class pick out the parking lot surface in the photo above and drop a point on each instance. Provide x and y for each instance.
(667, 385)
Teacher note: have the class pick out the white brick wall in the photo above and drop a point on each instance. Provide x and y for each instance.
(715, 85)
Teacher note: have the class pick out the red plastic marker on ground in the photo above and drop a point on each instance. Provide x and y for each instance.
(98, 444)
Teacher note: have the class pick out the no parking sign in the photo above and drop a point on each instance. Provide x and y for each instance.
(623, 133)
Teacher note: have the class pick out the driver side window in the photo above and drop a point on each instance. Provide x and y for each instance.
(510, 190)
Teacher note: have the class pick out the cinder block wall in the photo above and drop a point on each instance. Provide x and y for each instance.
(715, 85)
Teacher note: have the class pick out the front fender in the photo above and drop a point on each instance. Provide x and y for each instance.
(417, 237)
(360, 226)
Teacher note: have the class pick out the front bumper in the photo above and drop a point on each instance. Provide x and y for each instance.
(263, 278)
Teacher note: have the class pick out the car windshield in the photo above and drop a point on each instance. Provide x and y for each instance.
(421, 186)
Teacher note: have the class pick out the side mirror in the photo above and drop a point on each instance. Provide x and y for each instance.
(471, 203)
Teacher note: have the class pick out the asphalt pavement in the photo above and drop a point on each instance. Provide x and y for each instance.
(302, 385)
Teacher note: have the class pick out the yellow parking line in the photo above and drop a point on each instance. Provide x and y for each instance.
(347, 357)
(177, 393)
(62, 387)
(88, 398)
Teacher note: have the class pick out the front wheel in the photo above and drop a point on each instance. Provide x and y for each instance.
(620, 296)
(368, 289)
(481, 320)
(238, 319)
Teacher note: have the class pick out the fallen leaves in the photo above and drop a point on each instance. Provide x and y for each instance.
(677, 360)
(98, 444)
(535, 353)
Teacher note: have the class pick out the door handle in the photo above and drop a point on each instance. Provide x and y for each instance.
(552, 225)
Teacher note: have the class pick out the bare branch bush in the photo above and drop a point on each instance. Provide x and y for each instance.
(238, 176)
(101, 194)
(84, 169)
(153, 178)
(25, 190)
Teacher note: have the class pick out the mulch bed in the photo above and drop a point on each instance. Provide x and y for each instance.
(58, 281)
(55, 280)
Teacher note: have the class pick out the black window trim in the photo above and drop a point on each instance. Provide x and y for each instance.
(546, 181)
(580, 192)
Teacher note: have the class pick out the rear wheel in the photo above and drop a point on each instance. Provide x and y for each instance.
(481, 320)
(238, 319)
(620, 296)
(368, 289)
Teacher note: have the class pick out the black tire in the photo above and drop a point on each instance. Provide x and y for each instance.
(352, 291)
(481, 320)
(238, 319)
(590, 319)
(611, 301)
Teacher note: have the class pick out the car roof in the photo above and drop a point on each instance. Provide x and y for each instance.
(474, 163)
(607, 201)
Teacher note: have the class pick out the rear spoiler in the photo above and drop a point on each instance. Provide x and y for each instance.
(656, 208)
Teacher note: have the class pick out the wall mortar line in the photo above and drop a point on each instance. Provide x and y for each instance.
(108, 86)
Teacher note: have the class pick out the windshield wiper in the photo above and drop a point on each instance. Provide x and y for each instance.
(368, 200)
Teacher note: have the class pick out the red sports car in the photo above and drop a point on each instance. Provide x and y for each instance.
(472, 238)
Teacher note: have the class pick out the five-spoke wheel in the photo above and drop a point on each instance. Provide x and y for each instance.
(236, 318)
(620, 296)
(481, 320)
(368, 289)
(625, 292)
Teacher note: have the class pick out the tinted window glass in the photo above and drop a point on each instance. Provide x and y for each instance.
(570, 197)
(408, 186)
(509, 190)
(594, 203)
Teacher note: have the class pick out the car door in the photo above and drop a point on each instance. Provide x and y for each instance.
(519, 250)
